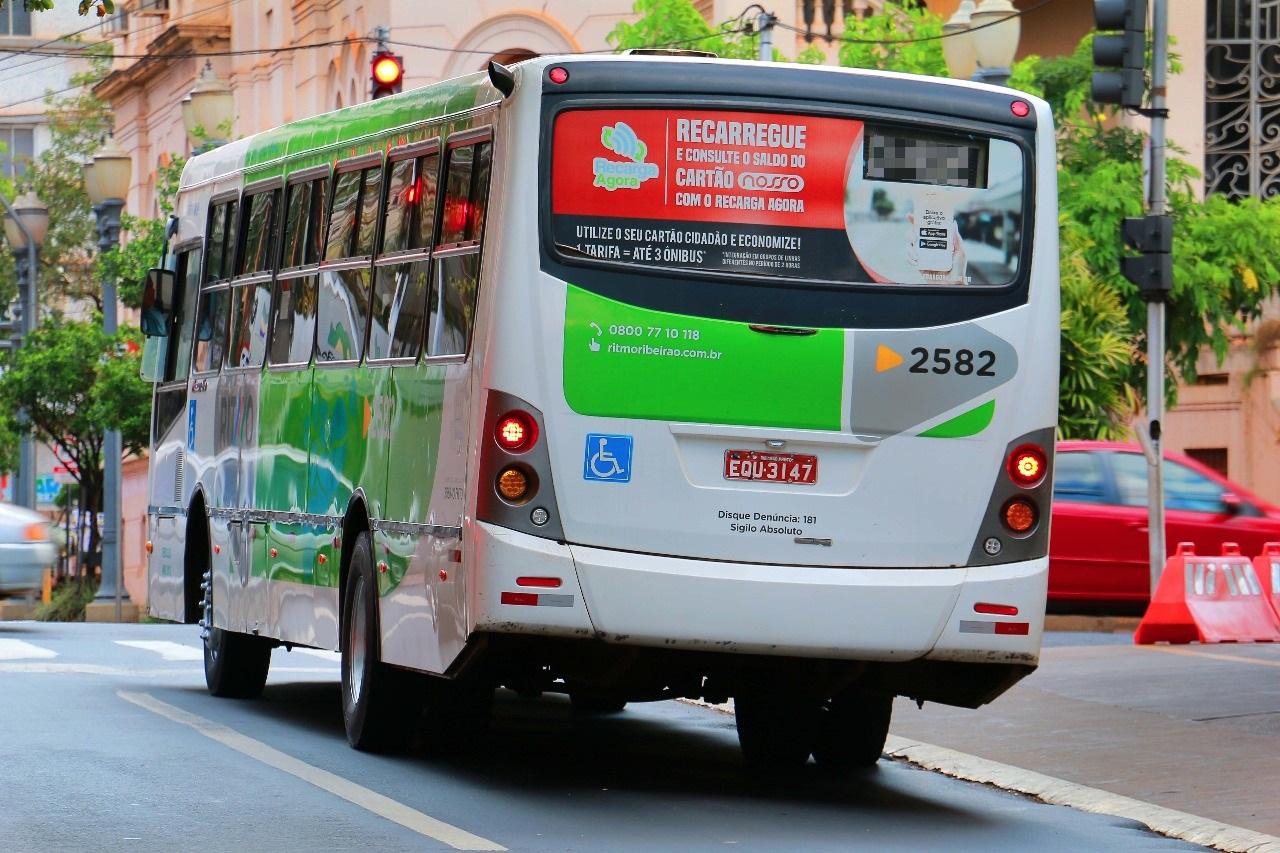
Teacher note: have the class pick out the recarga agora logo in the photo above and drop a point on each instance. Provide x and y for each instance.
(612, 174)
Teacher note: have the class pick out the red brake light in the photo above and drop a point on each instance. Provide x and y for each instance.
(515, 432)
(1027, 466)
(1020, 108)
(558, 75)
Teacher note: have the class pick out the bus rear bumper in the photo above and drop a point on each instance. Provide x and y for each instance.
(704, 605)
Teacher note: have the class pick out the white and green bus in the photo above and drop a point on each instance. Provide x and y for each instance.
(626, 377)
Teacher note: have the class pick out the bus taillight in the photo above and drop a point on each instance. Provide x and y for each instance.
(515, 432)
(1027, 466)
(516, 485)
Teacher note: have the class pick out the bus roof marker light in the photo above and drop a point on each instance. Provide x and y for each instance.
(558, 75)
(1020, 108)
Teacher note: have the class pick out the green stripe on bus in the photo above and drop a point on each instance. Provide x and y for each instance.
(970, 423)
(628, 362)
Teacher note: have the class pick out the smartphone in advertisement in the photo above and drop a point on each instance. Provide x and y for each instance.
(934, 236)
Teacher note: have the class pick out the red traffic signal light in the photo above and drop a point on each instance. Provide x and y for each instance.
(387, 73)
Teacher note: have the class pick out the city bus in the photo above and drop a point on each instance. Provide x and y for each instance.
(623, 377)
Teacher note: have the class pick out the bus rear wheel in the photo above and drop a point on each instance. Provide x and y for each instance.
(777, 729)
(235, 665)
(380, 703)
(853, 727)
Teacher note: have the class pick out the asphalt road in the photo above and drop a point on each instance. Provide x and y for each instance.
(111, 743)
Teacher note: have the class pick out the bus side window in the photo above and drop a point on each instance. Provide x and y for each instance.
(251, 303)
(211, 330)
(400, 289)
(297, 208)
(293, 306)
(343, 293)
(260, 222)
(188, 276)
(342, 216)
(453, 287)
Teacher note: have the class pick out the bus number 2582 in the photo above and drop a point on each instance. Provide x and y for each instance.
(961, 361)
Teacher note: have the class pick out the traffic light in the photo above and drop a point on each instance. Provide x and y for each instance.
(1152, 271)
(387, 71)
(1124, 51)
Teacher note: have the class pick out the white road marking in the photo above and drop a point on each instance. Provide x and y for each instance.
(23, 667)
(335, 657)
(372, 801)
(166, 649)
(971, 768)
(22, 650)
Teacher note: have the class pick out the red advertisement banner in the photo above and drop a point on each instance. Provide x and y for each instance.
(703, 166)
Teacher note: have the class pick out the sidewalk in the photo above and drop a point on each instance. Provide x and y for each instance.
(1192, 728)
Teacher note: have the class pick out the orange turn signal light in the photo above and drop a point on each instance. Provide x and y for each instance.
(513, 484)
(36, 532)
(1020, 515)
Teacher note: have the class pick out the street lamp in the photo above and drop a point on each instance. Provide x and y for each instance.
(990, 33)
(106, 181)
(207, 109)
(25, 225)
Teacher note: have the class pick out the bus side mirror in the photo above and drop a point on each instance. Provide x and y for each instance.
(157, 303)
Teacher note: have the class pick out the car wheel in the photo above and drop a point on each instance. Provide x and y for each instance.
(380, 703)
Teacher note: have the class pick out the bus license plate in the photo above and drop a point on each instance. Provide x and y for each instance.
(796, 468)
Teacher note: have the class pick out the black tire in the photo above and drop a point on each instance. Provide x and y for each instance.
(235, 665)
(596, 702)
(380, 704)
(852, 729)
(777, 729)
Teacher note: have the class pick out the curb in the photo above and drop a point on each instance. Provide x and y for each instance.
(1091, 624)
(1060, 792)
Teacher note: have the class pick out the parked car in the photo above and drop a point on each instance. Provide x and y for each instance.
(25, 549)
(1098, 542)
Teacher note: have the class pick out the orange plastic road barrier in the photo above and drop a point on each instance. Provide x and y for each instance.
(1267, 567)
(1209, 600)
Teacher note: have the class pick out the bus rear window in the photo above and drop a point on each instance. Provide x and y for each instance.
(789, 196)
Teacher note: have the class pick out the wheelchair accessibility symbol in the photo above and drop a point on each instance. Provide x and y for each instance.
(607, 458)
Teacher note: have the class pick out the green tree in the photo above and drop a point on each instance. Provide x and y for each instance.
(904, 37)
(73, 381)
(101, 8)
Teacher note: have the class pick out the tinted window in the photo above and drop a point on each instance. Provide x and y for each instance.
(466, 191)
(188, 279)
(1078, 477)
(251, 306)
(453, 302)
(217, 240)
(426, 193)
(342, 305)
(1184, 488)
(295, 225)
(315, 220)
(401, 199)
(211, 330)
(257, 235)
(294, 321)
(399, 310)
(342, 217)
(370, 202)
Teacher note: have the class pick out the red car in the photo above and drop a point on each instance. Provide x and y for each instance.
(1098, 542)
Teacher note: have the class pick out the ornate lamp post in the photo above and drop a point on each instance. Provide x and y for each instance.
(107, 179)
(207, 109)
(25, 225)
(986, 50)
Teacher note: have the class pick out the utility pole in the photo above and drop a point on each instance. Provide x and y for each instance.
(1151, 235)
(764, 23)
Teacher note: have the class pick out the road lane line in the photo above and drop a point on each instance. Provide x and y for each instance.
(372, 801)
(27, 667)
(1060, 792)
(166, 649)
(21, 649)
(1176, 650)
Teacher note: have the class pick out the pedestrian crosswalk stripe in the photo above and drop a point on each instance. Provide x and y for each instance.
(22, 650)
(166, 649)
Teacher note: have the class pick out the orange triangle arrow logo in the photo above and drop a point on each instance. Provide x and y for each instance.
(886, 359)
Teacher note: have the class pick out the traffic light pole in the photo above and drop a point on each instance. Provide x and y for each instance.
(1156, 206)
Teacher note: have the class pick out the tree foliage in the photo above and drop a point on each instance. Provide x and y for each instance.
(72, 381)
(891, 41)
(100, 8)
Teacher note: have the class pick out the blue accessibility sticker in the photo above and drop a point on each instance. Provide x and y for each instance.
(607, 458)
(191, 425)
